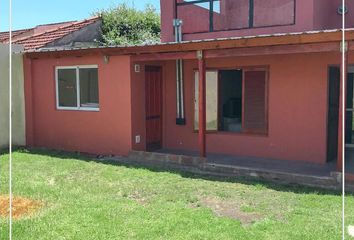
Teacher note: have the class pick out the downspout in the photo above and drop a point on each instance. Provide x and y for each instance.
(180, 117)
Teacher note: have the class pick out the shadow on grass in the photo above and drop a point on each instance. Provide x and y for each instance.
(283, 187)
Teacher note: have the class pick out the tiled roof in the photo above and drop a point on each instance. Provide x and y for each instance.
(181, 44)
(42, 39)
(4, 36)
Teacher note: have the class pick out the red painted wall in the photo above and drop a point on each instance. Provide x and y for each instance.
(138, 102)
(297, 109)
(105, 132)
(326, 14)
(309, 15)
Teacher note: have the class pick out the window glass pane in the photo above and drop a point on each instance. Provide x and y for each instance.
(211, 101)
(273, 12)
(195, 17)
(230, 100)
(231, 15)
(89, 87)
(67, 87)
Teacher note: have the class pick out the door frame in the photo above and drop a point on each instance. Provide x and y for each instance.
(161, 105)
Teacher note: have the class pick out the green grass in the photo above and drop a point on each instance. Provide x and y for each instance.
(86, 200)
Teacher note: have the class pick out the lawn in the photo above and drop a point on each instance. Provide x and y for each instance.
(84, 199)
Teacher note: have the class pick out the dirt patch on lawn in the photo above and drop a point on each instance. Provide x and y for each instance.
(227, 208)
(21, 207)
(138, 197)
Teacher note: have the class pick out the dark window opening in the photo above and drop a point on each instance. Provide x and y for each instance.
(349, 116)
(230, 100)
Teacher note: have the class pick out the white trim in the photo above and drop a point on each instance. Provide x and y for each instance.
(77, 74)
(87, 66)
(76, 66)
(79, 109)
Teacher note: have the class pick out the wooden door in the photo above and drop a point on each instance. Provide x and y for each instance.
(153, 106)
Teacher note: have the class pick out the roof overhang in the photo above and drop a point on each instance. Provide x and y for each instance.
(314, 41)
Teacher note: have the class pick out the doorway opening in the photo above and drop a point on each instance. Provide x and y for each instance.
(153, 107)
(349, 121)
(230, 100)
(333, 113)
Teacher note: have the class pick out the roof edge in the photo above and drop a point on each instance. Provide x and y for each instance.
(70, 24)
(297, 38)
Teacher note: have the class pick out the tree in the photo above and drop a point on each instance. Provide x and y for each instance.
(125, 25)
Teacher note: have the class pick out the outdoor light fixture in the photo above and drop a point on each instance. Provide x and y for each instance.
(106, 59)
(137, 68)
(342, 9)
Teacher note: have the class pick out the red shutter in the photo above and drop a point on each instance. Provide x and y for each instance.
(255, 101)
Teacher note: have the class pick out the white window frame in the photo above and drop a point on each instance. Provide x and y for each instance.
(78, 107)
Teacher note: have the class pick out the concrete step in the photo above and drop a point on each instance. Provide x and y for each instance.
(274, 176)
(162, 158)
(201, 166)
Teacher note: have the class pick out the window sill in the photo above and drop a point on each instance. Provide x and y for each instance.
(251, 134)
(78, 109)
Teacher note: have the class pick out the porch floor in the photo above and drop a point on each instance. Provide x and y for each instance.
(284, 166)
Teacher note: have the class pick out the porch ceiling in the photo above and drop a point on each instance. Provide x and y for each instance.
(314, 41)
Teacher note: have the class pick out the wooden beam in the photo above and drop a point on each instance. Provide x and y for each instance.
(341, 115)
(239, 52)
(202, 104)
(273, 50)
(163, 56)
(256, 41)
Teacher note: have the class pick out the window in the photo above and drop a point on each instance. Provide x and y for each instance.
(211, 101)
(77, 88)
(223, 15)
(236, 101)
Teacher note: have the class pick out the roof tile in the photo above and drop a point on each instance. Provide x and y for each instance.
(40, 40)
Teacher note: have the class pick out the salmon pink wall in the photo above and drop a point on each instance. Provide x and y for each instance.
(297, 109)
(138, 103)
(105, 132)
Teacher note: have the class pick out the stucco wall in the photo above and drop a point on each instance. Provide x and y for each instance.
(326, 14)
(18, 116)
(297, 109)
(107, 131)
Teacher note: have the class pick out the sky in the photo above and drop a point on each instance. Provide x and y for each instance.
(30, 13)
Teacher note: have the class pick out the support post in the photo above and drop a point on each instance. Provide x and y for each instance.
(342, 95)
(202, 105)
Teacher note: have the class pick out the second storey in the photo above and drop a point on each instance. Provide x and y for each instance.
(208, 19)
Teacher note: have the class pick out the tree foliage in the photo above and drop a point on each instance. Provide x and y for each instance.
(126, 25)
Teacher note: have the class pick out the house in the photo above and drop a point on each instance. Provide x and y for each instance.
(264, 76)
(73, 33)
(18, 103)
